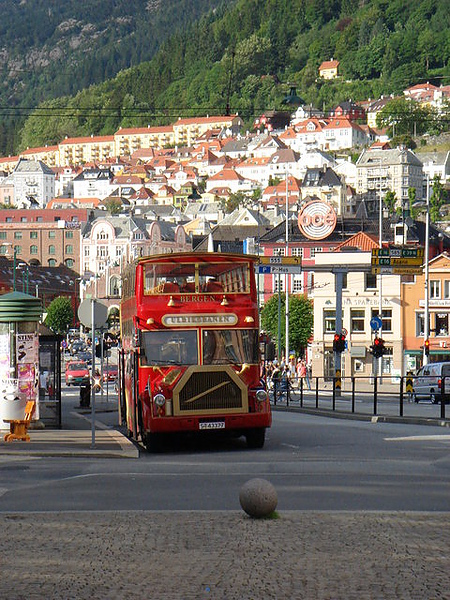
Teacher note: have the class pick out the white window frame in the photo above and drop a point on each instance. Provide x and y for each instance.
(435, 289)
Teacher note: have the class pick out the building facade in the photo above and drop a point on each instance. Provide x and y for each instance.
(413, 317)
(43, 237)
(394, 170)
(360, 303)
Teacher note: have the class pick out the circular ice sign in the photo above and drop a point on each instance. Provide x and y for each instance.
(93, 307)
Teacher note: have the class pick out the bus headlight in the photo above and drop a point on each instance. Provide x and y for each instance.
(159, 400)
(261, 395)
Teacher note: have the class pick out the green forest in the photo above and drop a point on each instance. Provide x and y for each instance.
(244, 56)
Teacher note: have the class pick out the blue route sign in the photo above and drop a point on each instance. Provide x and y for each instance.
(376, 323)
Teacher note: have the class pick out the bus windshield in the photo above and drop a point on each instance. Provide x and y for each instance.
(236, 346)
(220, 347)
(203, 278)
(169, 348)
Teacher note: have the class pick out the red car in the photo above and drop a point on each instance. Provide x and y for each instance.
(110, 373)
(77, 373)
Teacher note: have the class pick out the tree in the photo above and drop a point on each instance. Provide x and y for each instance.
(236, 200)
(60, 315)
(301, 320)
(390, 201)
(412, 200)
(402, 116)
(437, 199)
(113, 206)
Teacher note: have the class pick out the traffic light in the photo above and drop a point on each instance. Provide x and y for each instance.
(426, 345)
(377, 347)
(339, 342)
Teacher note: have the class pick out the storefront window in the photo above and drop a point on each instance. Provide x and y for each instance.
(441, 323)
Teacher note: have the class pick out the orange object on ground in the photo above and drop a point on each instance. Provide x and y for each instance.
(18, 428)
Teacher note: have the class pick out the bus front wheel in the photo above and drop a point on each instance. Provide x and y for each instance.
(256, 437)
(153, 442)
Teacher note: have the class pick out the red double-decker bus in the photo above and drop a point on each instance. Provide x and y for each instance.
(190, 351)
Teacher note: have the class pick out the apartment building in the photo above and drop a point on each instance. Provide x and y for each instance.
(82, 150)
(131, 139)
(186, 131)
(43, 237)
(395, 170)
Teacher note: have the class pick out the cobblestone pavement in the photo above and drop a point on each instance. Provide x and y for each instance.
(224, 556)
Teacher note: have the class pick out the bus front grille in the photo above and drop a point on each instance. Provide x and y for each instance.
(209, 390)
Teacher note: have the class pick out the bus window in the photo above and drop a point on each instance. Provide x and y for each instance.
(169, 347)
(230, 347)
(169, 278)
(224, 277)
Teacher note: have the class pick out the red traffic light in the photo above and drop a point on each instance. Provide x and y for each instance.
(339, 342)
(377, 347)
(427, 347)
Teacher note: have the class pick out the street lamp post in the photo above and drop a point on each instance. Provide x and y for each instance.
(426, 325)
(14, 261)
(287, 275)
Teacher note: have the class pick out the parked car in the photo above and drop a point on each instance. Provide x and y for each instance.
(429, 382)
(110, 373)
(77, 373)
(84, 356)
(77, 346)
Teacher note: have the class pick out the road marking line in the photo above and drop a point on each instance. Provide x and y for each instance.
(418, 438)
(98, 424)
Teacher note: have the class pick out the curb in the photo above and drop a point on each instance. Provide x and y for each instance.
(335, 414)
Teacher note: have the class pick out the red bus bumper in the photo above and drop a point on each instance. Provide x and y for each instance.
(196, 423)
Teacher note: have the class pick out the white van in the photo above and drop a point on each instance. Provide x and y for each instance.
(429, 381)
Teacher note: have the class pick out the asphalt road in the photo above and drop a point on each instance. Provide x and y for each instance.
(315, 463)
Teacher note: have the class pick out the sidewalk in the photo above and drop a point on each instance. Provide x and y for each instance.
(75, 438)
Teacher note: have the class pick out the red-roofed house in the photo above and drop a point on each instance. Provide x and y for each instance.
(329, 69)
(343, 133)
(310, 132)
(142, 197)
(231, 179)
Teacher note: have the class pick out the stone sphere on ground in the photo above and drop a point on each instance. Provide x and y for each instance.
(258, 498)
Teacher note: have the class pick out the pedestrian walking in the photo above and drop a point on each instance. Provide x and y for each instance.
(302, 373)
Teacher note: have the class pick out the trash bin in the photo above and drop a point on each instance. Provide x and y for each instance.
(85, 395)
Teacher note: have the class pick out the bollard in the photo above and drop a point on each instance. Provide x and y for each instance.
(401, 396)
(85, 395)
(375, 395)
(353, 394)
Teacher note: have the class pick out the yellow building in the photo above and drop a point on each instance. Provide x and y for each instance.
(186, 131)
(80, 150)
(329, 69)
(47, 154)
(128, 140)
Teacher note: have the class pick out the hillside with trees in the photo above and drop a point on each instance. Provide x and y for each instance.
(49, 50)
(244, 57)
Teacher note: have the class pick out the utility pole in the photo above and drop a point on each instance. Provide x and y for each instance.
(287, 275)
(380, 277)
(426, 324)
